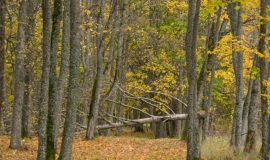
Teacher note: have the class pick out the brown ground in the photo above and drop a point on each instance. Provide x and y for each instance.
(125, 147)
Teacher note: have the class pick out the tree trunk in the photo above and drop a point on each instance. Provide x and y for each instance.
(87, 79)
(44, 96)
(246, 109)
(236, 27)
(27, 106)
(178, 107)
(26, 112)
(250, 143)
(154, 119)
(96, 92)
(74, 81)
(15, 141)
(121, 58)
(53, 108)
(64, 67)
(2, 62)
(263, 78)
(193, 144)
(207, 103)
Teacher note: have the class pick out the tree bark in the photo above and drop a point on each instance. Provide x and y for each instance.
(178, 107)
(27, 106)
(2, 62)
(44, 95)
(96, 92)
(193, 144)
(15, 141)
(53, 107)
(74, 81)
(236, 27)
(263, 78)
(154, 119)
(250, 141)
(87, 75)
(246, 109)
(120, 60)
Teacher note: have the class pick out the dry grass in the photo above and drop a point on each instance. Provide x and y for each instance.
(105, 148)
(218, 148)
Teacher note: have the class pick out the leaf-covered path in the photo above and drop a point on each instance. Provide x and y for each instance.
(105, 148)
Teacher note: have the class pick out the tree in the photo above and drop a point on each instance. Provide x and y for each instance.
(44, 96)
(96, 91)
(53, 107)
(74, 81)
(120, 70)
(250, 143)
(263, 77)
(234, 11)
(16, 134)
(2, 61)
(28, 79)
(193, 144)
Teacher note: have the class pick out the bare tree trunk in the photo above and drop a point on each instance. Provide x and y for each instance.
(53, 107)
(263, 78)
(121, 58)
(178, 107)
(154, 119)
(246, 109)
(193, 144)
(74, 81)
(64, 66)
(26, 112)
(250, 141)
(27, 106)
(15, 141)
(87, 78)
(236, 27)
(2, 62)
(44, 95)
(207, 103)
(96, 92)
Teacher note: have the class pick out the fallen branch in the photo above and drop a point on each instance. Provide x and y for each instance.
(147, 120)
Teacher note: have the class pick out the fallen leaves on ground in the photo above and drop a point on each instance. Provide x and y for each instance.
(105, 148)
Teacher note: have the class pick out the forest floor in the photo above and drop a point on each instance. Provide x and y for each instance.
(126, 147)
(130, 146)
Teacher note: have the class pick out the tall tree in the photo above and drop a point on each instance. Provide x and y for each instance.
(193, 144)
(120, 57)
(28, 79)
(74, 81)
(96, 92)
(263, 77)
(15, 141)
(53, 109)
(44, 96)
(2, 60)
(235, 11)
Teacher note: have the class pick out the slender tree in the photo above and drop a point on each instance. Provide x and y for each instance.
(2, 61)
(235, 11)
(74, 81)
(96, 92)
(44, 96)
(263, 78)
(193, 144)
(53, 109)
(250, 143)
(15, 141)
(120, 57)
(28, 79)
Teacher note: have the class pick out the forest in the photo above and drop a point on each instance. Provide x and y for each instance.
(134, 79)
